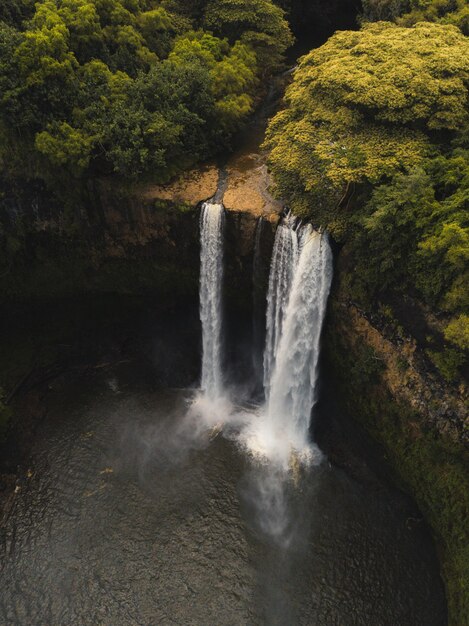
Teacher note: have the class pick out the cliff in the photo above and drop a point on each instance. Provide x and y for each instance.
(419, 421)
(135, 240)
(145, 241)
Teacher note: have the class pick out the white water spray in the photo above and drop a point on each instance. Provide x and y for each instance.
(293, 382)
(211, 276)
(283, 265)
(299, 284)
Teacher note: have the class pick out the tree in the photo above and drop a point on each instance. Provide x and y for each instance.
(454, 12)
(258, 23)
(14, 12)
(457, 331)
(383, 10)
(65, 145)
(372, 144)
(123, 86)
(364, 106)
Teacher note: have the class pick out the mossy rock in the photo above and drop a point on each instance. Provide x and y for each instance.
(434, 470)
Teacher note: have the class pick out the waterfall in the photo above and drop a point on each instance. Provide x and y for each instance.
(283, 264)
(299, 284)
(294, 377)
(211, 275)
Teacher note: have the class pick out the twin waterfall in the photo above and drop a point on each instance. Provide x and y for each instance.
(299, 283)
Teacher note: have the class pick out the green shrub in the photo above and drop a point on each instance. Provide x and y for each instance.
(448, 362)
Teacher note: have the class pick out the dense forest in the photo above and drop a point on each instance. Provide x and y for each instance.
(129, 87)
(373, 144)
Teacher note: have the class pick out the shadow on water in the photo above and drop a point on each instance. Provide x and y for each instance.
(138, 514)
(277, 513)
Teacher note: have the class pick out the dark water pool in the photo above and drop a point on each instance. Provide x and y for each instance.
(127, 519)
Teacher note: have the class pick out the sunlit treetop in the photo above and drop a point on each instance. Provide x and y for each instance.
(130, 86)
(392, 74)
(366, 105)
(372, 144)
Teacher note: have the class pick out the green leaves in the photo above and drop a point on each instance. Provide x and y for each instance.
(260, 24)
(371, 145)
(126, 86)
(65, 145)
(457, 331)
(454, 12)
(363, 106)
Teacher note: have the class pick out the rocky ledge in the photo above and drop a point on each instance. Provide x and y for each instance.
(438, 405)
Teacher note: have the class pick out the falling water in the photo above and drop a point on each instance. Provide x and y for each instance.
(294, 378)
(283, 264)
(211, 275)
(299, 284)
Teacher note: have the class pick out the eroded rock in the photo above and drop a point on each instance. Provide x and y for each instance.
(248, 188)
(190, 187)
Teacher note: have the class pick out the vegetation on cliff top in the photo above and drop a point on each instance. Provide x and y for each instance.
(409, 12)
(127, 87)
(373, 144)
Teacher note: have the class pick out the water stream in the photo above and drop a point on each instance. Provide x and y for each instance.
(293, 382)
(142, 508)
(211, 276)
(283, 264)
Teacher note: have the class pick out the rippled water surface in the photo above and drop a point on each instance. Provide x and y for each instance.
(130, 519)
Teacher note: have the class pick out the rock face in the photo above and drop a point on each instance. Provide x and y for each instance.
(159, 223)
(143, 239)
(248, 188)
(419, 421)
(190, 188)
(438, 406)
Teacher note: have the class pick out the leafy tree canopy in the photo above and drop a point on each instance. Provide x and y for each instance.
(455, 12)
(367, 105)
(258, 23)
(129, 86)
(373, 144)
(410, 12)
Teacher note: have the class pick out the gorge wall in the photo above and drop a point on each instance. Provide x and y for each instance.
(419, 421)
(141, 241)
(145, 241)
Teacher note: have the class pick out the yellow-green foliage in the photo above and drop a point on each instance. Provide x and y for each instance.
(232, 72)
(381, 10)
(455, 12)
(410, 12)
(373, 145)
(130, 87)
(361, 106)
(457, 331)
(259, 23)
